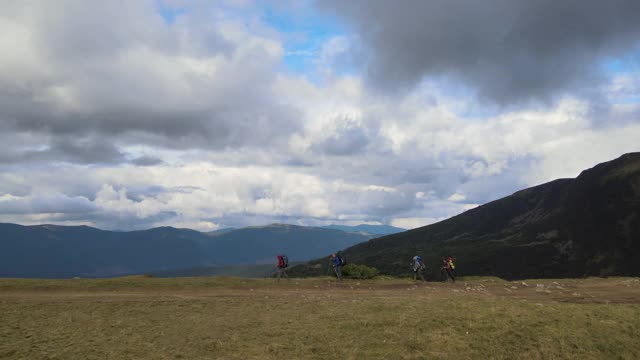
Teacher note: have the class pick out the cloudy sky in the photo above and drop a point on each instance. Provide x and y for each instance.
(209, 114)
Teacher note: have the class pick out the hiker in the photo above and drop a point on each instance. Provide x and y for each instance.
(337, 264)
(447, 271)
(418, 267)
(451, 265)
(283, 263)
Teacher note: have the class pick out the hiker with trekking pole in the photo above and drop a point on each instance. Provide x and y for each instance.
(418, 267)
(452, 266)
(337, 263)
(448, 270)
(283, 263)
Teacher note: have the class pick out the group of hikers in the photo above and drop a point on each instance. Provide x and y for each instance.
(337, 262)
(448, 269)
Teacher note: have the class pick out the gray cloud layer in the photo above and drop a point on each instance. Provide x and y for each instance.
(118, 75)
(508, 51)
(112, 117)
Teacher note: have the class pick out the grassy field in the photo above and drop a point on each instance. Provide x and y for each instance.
(234, 318)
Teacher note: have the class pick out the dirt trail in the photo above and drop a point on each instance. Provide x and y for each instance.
(604, 291)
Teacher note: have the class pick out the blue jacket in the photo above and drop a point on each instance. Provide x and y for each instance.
(336, 261)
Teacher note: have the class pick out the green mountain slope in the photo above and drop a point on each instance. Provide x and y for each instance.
(565, 228)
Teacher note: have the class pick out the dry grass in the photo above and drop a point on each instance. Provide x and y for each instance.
(231, 318)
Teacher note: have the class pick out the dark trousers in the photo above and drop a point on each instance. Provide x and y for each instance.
(282, 272)
(338, 271)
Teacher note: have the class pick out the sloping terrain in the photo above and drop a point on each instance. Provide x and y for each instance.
(377, 230)
(585, 226)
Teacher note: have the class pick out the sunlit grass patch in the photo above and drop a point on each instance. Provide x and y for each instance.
(236, 318)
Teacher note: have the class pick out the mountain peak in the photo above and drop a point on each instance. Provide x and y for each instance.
(624, 165)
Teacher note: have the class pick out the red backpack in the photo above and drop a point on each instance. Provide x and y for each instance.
(283, 261)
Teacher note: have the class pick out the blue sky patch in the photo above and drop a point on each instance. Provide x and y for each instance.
(305, 29)
(169, 13)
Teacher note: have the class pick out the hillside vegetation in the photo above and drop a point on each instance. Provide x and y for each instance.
(588, 226)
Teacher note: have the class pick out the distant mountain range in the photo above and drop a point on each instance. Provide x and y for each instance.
(51, 251)
(587, 226)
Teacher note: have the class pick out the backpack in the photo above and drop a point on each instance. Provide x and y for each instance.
(341, 260)
(419, 261)
(283, 261)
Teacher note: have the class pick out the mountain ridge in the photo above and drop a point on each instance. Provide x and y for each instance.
(67, 251)
(366, 228)
(586, 226)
